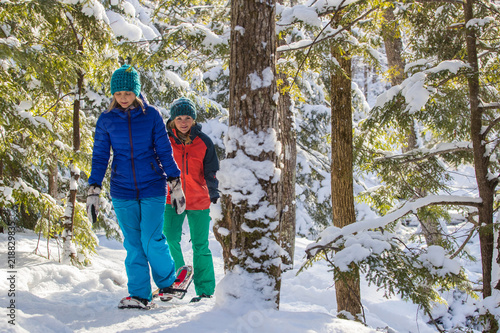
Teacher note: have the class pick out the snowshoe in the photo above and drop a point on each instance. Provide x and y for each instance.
(179, 288)
(199, 298)
(134, 302)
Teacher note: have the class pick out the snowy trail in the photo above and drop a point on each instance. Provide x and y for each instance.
(52, 297)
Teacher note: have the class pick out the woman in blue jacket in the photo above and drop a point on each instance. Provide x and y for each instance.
(142, 165)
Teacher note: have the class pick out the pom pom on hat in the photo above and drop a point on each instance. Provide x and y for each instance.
(126, 78)
(182, 107)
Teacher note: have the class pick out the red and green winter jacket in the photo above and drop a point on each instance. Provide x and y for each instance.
(199, 164)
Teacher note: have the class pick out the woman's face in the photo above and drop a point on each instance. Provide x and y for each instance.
(183, 123)
(124, 98)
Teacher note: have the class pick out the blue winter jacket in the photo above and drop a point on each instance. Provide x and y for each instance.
(142, 154)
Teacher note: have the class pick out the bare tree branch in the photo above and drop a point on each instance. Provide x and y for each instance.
(317, 41)
(493, 123)
(56, 102)
(471, 233)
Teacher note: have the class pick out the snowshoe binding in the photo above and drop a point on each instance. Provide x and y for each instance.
(134, 302)
(180, 286)
(199, 298)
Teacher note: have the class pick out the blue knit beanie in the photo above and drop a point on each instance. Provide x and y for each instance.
(126, 78)
(182, 107)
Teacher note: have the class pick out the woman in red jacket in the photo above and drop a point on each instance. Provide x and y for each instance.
(195, 155)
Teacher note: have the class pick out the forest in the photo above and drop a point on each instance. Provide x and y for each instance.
(340, 121)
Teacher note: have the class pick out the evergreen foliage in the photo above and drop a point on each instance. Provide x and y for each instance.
(183, 50)
(393, 267)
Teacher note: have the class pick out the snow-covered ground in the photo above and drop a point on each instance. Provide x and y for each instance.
(52, 297)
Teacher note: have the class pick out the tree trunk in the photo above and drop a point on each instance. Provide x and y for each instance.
(53, 176)
(394, 49)
(347, 291)
(481, 163)
(288, 157)
(481, 158)
(249, 181)
(76, 113)
(288, 161)
(69, 251)
(1, 178)
(431, 230)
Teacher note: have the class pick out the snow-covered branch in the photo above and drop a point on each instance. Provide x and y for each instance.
(310, 43)
(331, 234)
(441, 1)
(487, 106)
(310, 14)
(415, 88)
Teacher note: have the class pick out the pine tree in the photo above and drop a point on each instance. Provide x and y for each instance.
(393, 43)
(42, 87)
(347, 289)
(457, 111)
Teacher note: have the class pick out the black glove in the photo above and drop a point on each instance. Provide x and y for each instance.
(93, 202)
(177, 195)
(214, 200)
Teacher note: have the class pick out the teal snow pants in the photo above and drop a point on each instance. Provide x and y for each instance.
(199, 225)
(141, 222)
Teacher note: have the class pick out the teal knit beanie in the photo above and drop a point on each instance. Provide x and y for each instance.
(182, 107)
(126, 78)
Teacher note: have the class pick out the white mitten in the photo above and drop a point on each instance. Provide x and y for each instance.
(93, 203)
(177, 195)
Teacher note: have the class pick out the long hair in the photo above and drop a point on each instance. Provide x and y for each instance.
(137, 102)
(186, 138)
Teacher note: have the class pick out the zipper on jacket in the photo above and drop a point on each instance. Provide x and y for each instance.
(132, 151)
(184, 165)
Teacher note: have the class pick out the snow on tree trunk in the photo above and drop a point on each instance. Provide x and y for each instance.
(69, 251)
(249, 175)
(347, 291)
(52, 177)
